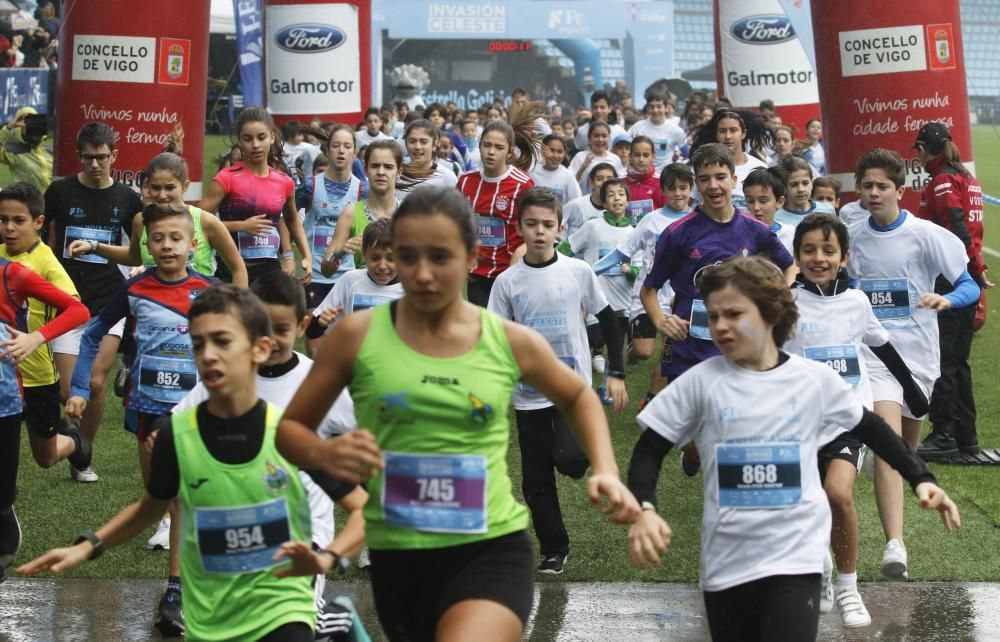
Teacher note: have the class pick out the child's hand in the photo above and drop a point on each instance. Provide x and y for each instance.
(79, 247)
(625, 268)
(934, 301)
(353, 245)
(75, 407)
(20, 345)
(329, 315)
(258, 225)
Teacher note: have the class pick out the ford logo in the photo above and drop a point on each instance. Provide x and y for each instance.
(763, 30)
(309, 38)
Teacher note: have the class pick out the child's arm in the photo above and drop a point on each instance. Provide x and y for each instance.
(130, 522)
(913, 395)
(115, 310)
(24, 283)
(338, 243)
(222, 242)
(298, 235)
(965, 293)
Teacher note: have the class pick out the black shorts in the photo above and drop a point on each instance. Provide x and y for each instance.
(641, 327)
(41, 409)
(256, 268)
(778, 607)
(846, 447)
(413, 588)
(140, 424)
(316, 292)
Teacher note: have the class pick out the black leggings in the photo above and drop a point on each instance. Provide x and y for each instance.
(291, 632)
(779, 608)
(597, 340)
(10, 452)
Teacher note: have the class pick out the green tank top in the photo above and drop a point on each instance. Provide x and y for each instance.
(443, 428)
(203, 253)
(233, 518)
(358, 225)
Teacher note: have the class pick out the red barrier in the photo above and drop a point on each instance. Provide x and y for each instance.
(140, 69)
(318, 59)
(883, 73)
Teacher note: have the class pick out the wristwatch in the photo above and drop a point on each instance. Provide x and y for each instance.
(98, 545)
(648, 506)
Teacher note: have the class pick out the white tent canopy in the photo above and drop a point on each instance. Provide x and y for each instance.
(222, 20)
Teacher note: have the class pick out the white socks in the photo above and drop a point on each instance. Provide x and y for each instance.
(845, 580)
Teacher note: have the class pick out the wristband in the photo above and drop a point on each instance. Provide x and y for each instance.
(339, 563)
(93, 246)
(287, 255)
(648, 506)
(98, 545)
(617, 374)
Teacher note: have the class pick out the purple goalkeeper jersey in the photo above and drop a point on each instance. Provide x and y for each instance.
(686, 247)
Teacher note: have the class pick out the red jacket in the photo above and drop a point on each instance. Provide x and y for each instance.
(956, 203)
(644, 193)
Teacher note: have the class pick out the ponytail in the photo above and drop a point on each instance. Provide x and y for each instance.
(522, 124)
(953, 159)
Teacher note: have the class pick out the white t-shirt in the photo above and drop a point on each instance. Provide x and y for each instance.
(785, 234)
(363, 139)
(742, 171)
(894, 267)
(355, 291)
(666, 139)
(758, 434)
(440, 178)
(577, 212)
(606, 157)
(339, 419)
(551, 300)
(593, 240)
(582, 143)
(307, 151)
(852, 213)
(641, 245)
(832, 329)
(560, 180)
(792, 218)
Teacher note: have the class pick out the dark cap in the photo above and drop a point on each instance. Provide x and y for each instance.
(932, 137)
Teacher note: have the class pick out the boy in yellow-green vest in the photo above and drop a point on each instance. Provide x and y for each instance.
(241, 500)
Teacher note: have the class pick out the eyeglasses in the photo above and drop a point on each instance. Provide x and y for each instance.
(87, 159)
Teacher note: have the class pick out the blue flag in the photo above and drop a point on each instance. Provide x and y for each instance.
(799, 12)
(250, 47)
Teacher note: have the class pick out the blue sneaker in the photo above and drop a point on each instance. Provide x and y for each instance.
(606, 399)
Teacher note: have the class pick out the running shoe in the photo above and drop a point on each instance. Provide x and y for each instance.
(357, 632)
(597, 362)
(169, 616)
(690, 464)
(553, 564)
(160, 541)
(852, 609)
(606, 399)
(826, 592)
(894, 561)
(84, 476)
(649, 397)
(83, 453)
(363, 560)
(121, 381)
(10, 540)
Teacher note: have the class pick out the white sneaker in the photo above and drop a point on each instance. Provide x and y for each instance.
(85, 476)
(852, 609)
(826, 592)
(363, 561)
(161, 538)
(597, 362)
(894, 561)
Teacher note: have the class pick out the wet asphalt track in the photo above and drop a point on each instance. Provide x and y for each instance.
(112, 610)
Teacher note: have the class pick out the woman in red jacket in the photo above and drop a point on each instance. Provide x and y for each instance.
(954, 200)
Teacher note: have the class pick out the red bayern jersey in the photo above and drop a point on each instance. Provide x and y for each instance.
(494, 201)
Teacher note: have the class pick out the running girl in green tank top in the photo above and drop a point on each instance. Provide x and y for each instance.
(166, 181)
(242, 502)
(432, 376)
(382, 160)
